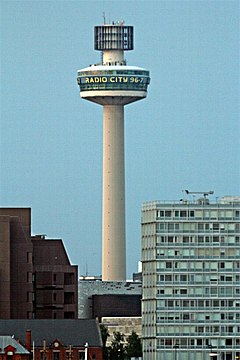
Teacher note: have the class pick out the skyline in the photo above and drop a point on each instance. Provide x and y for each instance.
(184, 136)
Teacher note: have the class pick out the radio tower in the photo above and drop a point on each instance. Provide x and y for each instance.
(113, 84)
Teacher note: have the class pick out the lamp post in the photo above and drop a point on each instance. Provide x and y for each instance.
(86, 351)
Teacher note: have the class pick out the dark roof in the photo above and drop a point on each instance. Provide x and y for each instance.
(68, 332)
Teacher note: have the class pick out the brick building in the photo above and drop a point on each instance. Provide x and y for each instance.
(57, 339)
(55, 280)
(36, 277)
(16, 265)
(10, 349)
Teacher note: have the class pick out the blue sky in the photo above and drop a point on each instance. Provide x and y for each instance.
(185, 135)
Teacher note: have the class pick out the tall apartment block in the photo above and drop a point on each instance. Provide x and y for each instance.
(113, 84)
(191, 279)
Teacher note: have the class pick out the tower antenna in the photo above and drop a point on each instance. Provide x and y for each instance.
(104, 18)
(204, 193)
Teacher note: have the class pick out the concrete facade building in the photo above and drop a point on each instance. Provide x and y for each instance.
(191, 280)
(116, 304)
(113, 85)
(36, 277)
(108, 298)
(125, 325)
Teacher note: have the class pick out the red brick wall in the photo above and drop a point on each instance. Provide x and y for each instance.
(63, 353)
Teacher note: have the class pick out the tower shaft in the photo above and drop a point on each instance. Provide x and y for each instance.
(113, 201)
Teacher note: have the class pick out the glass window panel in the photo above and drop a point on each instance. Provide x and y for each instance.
(213, 265)
(213, 214)
(198, 213)
(228, 214)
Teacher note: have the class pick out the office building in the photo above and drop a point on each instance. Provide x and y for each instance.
(191, 279)
(113, 84)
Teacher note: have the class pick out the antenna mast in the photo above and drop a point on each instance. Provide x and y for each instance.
(204, 193)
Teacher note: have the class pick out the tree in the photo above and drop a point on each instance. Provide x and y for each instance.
(134, 346)
(105, 335)
(117, 349)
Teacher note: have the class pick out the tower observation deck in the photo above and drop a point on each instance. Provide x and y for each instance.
(113, 84)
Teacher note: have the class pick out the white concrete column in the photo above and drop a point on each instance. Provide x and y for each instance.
(113, 203)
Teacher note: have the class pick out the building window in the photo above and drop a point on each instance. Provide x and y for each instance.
(171, 227)
(68, 278)
(228, 342)
(43, 355)
(68, 298)
(199, 342)
(183, 213)
(56, 355)
(215, 226)
(183, 278)
(168, 342)
(81, 355)
(68, 315)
